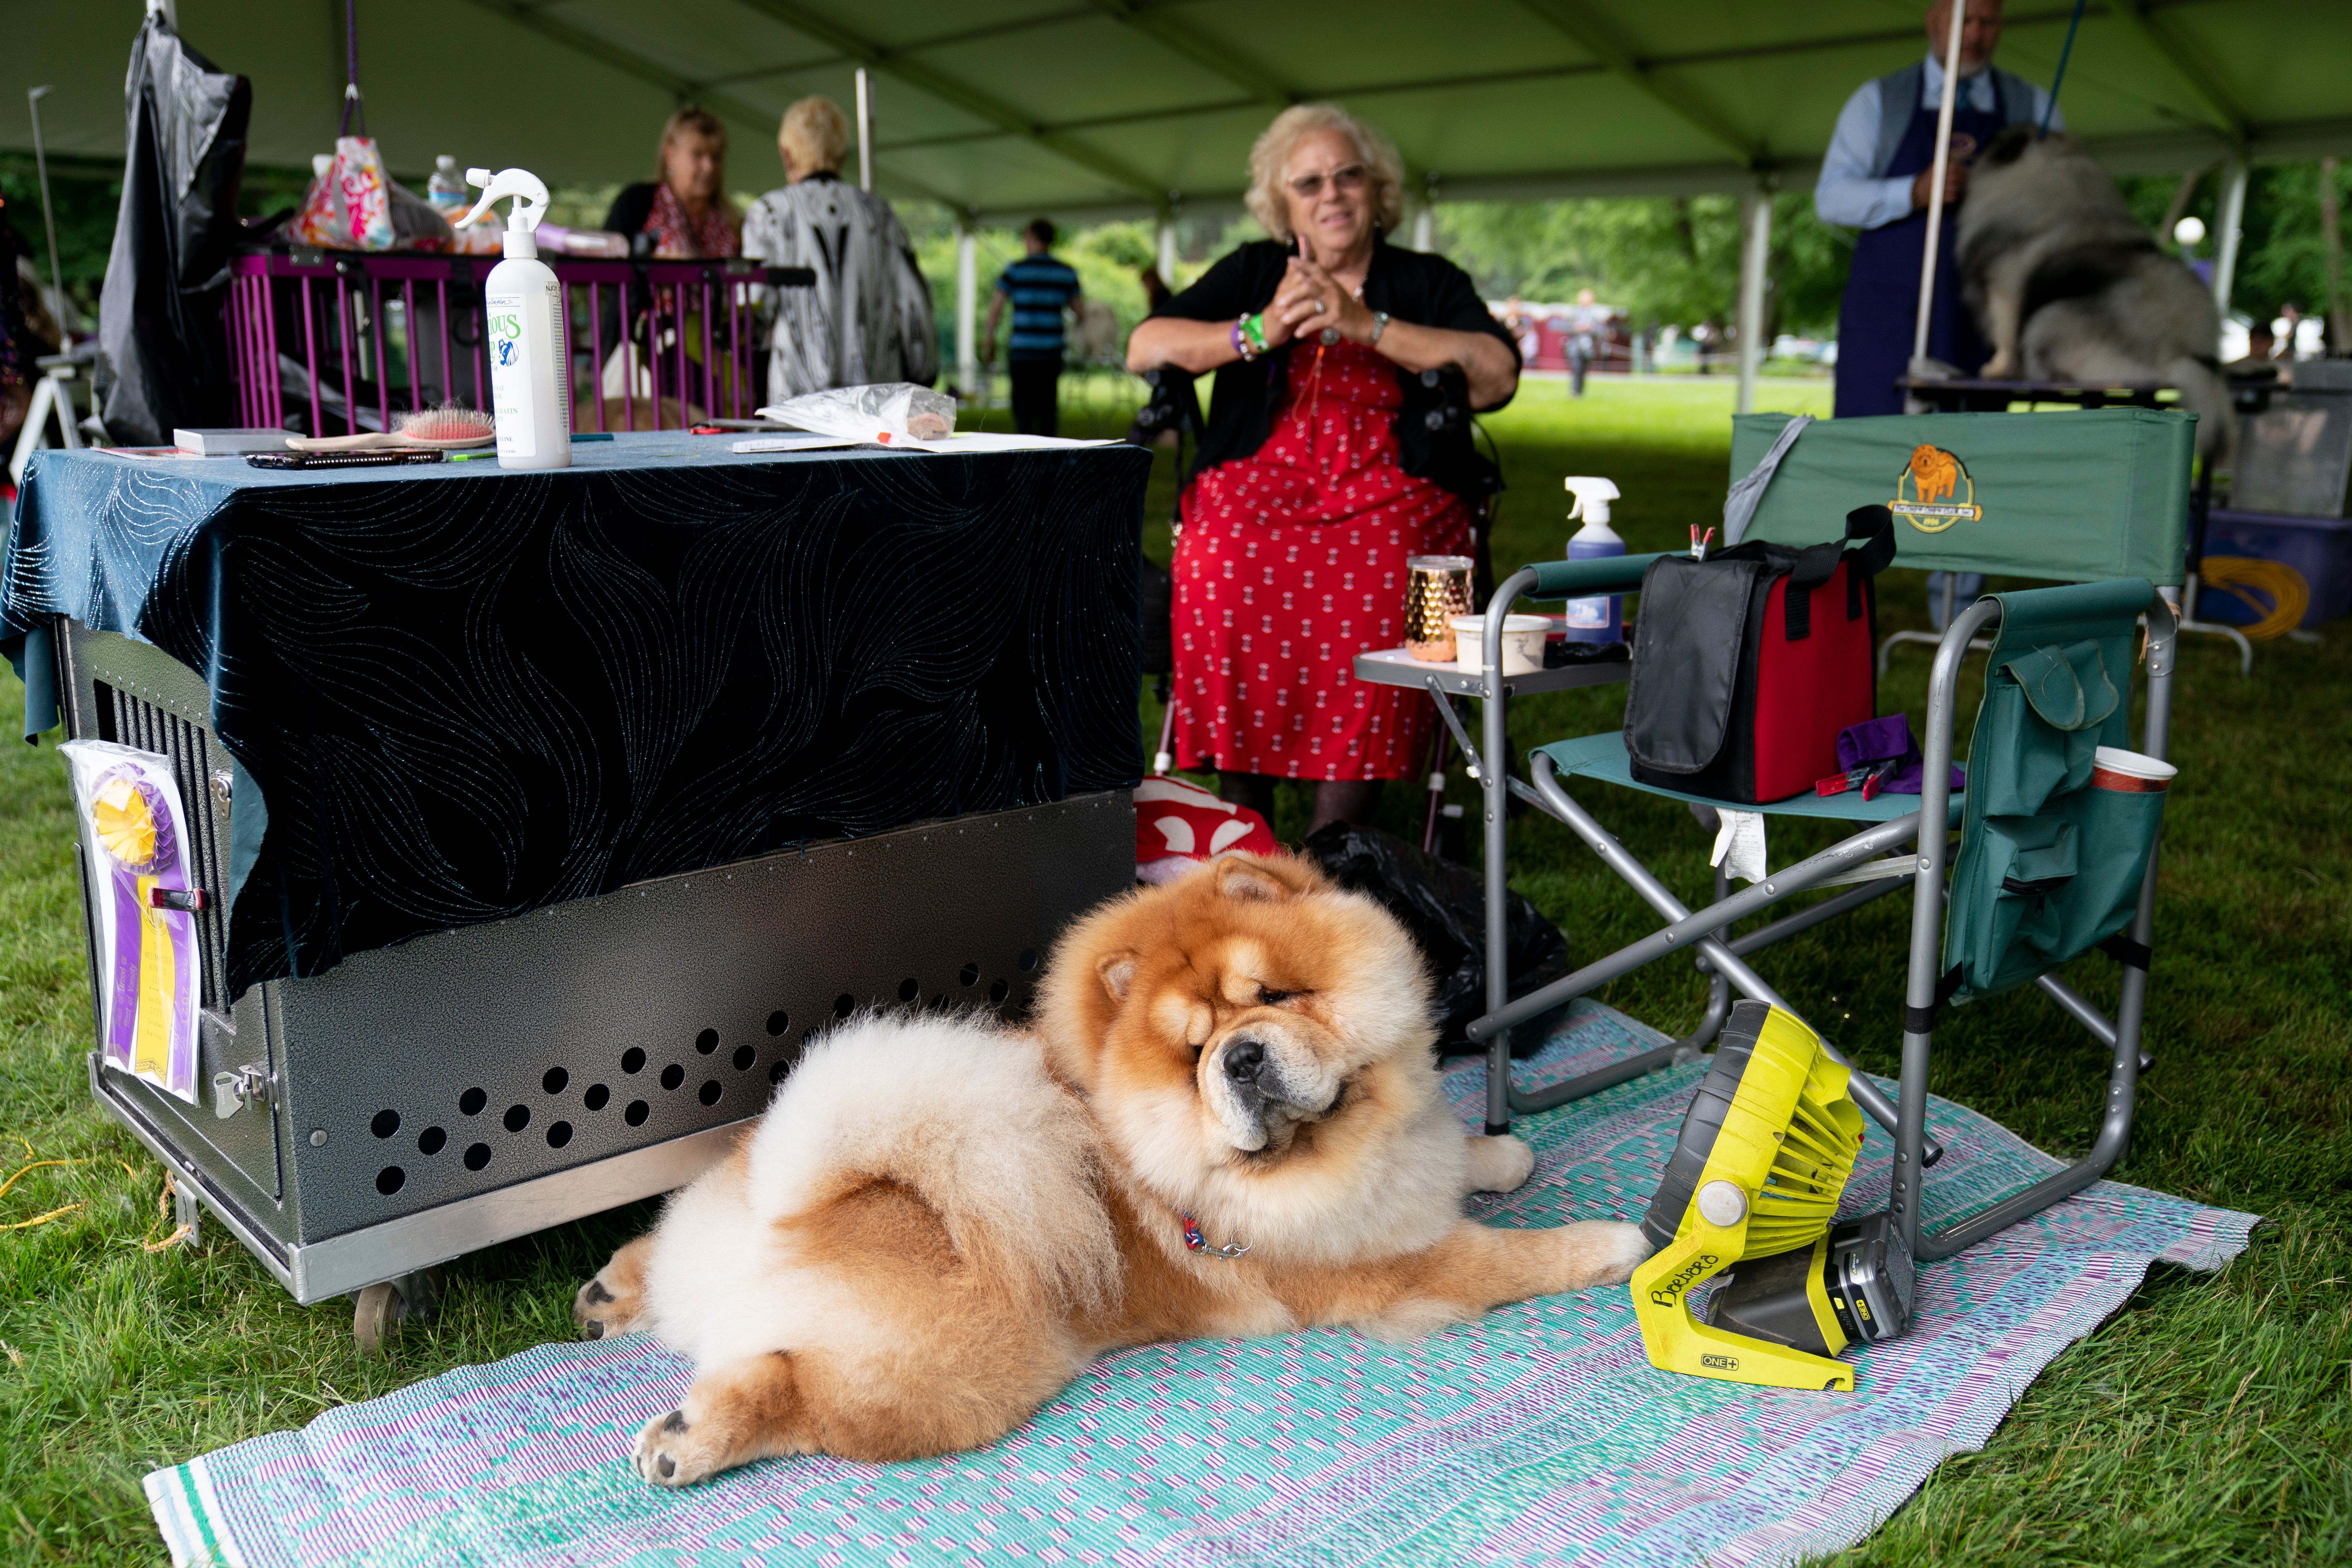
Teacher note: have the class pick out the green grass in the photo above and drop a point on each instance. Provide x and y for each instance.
(2208, 1422)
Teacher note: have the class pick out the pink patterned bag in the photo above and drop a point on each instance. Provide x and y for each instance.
(350, 207)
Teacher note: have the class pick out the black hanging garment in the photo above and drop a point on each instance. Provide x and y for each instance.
(160, 317)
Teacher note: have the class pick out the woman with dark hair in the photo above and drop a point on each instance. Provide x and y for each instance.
(1338, 444)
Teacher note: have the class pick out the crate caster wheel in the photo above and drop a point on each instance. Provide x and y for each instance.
(381, 1308)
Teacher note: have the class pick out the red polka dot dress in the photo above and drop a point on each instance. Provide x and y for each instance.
(1291, 563)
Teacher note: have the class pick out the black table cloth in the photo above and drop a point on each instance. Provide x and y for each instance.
(460, 694)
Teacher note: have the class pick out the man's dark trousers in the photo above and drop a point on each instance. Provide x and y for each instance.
(1037, 394)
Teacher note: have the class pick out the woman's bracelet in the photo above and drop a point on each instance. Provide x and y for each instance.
(1249, 335)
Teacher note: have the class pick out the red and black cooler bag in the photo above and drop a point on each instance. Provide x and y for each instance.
(1748, 664)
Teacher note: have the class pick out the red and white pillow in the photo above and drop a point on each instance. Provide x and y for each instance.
(1179, 826)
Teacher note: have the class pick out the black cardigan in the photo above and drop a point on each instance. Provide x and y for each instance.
(1433, 430)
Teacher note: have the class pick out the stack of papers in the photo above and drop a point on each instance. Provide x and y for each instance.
(962, 441)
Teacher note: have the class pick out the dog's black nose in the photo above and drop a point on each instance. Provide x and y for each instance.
(1245, 1059)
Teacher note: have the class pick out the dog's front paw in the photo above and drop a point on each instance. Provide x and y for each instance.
(615, 1299)
(1500, 1164)
(1600, 1252)
(671, 1452)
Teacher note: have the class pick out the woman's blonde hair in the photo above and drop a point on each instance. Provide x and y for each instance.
(1384, 169)
(695, 117)
(814, 136)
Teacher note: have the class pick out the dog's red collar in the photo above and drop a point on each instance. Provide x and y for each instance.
(1198, 1243)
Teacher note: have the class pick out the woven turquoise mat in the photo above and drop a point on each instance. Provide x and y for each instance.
(1540, 1435)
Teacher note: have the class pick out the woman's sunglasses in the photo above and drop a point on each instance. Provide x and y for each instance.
(1307, 187)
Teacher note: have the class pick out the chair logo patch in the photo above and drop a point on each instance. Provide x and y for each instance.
(1933, 490)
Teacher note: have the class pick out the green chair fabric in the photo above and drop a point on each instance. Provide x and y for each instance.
(2049, 866)
(1602, 758)
(2080, 496)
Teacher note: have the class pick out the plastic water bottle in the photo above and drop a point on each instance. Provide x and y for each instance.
(1601, 618)
(446, 188)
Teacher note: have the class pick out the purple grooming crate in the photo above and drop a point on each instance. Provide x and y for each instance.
(2318, 547)
(344, 340)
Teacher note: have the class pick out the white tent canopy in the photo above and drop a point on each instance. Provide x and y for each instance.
(1006, 107)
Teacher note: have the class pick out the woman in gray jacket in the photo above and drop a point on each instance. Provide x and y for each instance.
(869, 317)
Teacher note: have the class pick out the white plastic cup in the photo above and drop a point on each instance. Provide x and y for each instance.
(1523, 643)
(2133, 773)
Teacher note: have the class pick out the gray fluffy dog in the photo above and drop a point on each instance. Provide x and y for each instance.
(2070, 288)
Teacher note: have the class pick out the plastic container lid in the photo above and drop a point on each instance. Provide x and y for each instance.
(1477, 624)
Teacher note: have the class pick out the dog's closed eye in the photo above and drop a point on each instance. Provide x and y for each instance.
(1268, 996)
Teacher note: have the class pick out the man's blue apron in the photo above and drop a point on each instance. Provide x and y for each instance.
(1881, 310)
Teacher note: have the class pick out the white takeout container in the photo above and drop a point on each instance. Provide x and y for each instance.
(1523, 644)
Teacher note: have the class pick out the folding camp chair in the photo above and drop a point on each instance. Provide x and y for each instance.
(2046, 867)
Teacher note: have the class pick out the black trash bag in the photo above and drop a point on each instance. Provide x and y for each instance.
(160, 315)
(1444, 907)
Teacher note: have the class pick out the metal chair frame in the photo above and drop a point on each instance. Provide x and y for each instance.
(1879, 859)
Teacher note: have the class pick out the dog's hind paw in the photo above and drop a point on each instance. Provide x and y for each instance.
(613, 1302)
(671, 1453)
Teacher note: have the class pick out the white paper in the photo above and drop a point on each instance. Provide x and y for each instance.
(994, 441)
(796, 443)
(1739, 844)
(149, 962)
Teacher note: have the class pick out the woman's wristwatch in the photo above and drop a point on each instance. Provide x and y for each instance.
(1379, 325)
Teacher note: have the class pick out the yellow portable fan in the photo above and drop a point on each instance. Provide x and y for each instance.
(1748, 1199)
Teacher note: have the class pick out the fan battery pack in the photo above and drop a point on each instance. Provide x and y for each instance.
(1852, 1287)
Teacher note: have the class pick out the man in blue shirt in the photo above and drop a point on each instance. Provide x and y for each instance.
(1041, 287)
(1874, 178)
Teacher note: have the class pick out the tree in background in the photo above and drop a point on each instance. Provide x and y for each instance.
(1664, 260)
(2283, 251)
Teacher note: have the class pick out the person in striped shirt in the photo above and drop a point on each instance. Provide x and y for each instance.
(1041, 287)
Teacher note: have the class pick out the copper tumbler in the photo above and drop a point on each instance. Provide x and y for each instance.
(1437, 589)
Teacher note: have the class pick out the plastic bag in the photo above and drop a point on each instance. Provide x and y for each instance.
(349, 208)
(888, 411)
(1444, 906)
(1179, 826)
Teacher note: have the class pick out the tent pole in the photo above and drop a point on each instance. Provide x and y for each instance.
(967, 308)
(1757, 232)
(2331, 240)
(864, 132)
(1936, 181)
(2233, 212)
(1424, 222)
(1167, 244)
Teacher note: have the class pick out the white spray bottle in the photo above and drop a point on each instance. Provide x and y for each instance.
(524, 303)
(1597, 619)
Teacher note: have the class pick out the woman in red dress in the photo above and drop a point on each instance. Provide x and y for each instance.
(1338, 444)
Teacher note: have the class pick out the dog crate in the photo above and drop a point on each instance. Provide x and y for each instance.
(340, 341)
(419, 1102)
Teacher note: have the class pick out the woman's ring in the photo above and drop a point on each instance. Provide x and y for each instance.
(1318, 307)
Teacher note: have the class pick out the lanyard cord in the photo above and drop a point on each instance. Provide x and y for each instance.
(2059, 80)
(351, 100)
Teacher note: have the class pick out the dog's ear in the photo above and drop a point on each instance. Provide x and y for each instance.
(1255, 879)
(1117, 971)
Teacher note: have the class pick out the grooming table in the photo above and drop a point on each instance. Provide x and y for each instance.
(542, 817)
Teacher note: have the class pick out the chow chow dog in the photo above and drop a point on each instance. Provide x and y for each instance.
(1226, 1121)
(2070, 288)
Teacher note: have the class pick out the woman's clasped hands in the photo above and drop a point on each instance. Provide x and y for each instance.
(1309, 300)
